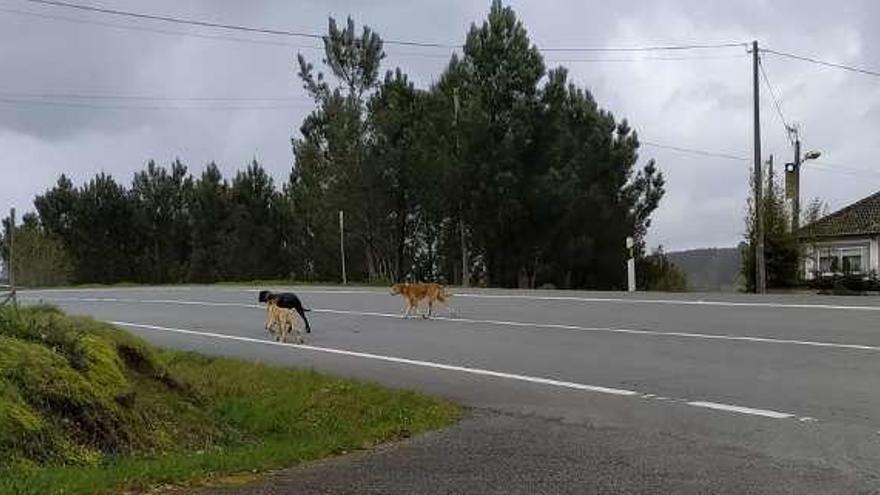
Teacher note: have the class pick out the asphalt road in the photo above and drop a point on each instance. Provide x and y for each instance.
(570, 392)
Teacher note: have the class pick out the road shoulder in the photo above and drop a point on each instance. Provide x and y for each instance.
(497, 453)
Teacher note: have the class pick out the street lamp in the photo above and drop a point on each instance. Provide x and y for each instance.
(793, 178)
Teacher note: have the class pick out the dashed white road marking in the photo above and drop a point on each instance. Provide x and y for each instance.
(473, 371)
(553, 326)
(740, 409)
(475, 295)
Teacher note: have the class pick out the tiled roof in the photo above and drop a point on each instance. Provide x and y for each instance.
(859, 218)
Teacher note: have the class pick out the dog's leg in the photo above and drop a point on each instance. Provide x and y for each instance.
(282, 336)
(296, 328)
(416, 306)
(298, 337)
(291, 326)
(270, 322)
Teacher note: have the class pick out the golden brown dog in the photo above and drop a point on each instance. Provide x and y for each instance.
(281, 322)
(414, 294)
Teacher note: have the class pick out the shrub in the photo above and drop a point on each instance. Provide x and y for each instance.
(844, 284)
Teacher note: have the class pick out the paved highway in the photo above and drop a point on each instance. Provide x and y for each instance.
(569, 392)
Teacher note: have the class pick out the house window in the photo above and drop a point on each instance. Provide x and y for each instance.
(851, 260)
(842, 260)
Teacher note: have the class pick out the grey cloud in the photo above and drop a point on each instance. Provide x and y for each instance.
(693, 103)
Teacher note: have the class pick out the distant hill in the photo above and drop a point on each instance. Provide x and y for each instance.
(713, 269)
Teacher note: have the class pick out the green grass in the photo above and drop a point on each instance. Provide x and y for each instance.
(88, 408)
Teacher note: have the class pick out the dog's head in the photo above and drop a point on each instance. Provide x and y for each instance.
(396, 289)
(264, 296)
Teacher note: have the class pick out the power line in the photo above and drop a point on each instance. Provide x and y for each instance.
(656, 48)
(301, 34)
(818, 166)
(645, 59)
(14, 101)
(694, 151)
(395, 53)
(842, 168)
(786, 126)
(94, 96)
(155, 30)
(175, 20)
(823, 62)
(860, 174)
(258, 30)
(215, 37)
(218, 25)
(318, 48)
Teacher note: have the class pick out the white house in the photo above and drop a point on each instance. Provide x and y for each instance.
(845, 241)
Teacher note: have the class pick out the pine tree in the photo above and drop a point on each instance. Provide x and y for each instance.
(254, 236)
(335, 136)
(162, 201)
(211, 223)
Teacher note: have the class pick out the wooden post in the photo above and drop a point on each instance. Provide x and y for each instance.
(342, 245)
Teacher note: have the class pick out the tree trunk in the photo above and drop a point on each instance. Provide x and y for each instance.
(523, 278)
(371, 262)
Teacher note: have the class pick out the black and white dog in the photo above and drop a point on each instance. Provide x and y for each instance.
(286, 300)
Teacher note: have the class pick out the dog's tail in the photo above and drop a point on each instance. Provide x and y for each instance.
(302, 314)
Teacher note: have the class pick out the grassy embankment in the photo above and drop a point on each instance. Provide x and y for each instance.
(88, 408)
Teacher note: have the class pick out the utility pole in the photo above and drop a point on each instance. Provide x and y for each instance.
(10, 260)
(793, 181)
(760, 281)
(342, 245)
(465, 268)
(630, 266)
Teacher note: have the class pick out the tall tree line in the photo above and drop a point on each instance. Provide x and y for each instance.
(166, 226)
(501, 164)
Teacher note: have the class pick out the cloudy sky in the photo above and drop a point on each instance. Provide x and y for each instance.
(195, 94)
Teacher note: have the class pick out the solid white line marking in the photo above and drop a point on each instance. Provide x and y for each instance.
(681, 302)
(742, 410)
(473, 371)
(391, 359)
(630, 331)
